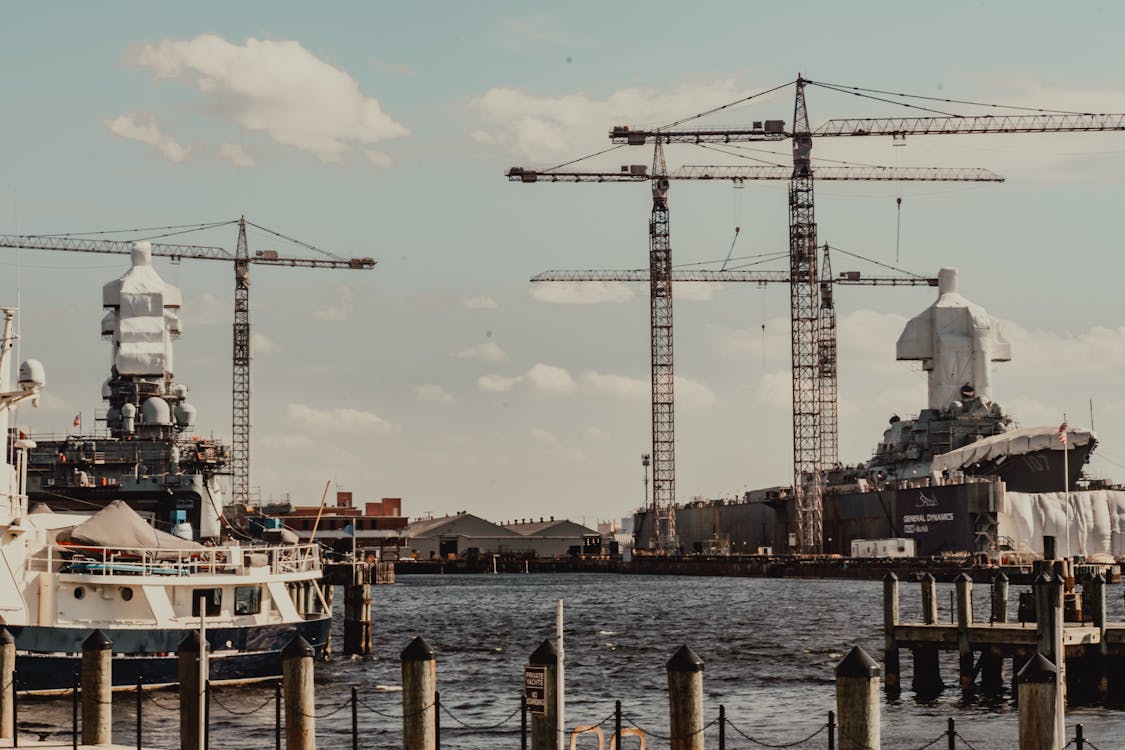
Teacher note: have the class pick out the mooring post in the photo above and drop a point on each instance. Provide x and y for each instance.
(1039, 721)
(1057, 656)
(685, 700)
(964, 587)
(890, 620)
(1093, 600)
(992, 664)
(419, 684)
(544, 730)
(357, 612)
(191, 705)
(300, 698)
(927, 664)
(329, 592)
(97, 690)
(857, 701)
(7, 683)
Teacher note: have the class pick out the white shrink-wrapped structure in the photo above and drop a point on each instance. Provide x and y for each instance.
(957, 342)
(142, 319)
(1089, 524)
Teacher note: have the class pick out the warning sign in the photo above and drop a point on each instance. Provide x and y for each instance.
(534, 688)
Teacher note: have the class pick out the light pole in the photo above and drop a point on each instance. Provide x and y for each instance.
(654, 543)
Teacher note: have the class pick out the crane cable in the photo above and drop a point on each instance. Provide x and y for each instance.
(854, 89)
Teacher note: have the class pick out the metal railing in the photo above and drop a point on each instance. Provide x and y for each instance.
(231, 560)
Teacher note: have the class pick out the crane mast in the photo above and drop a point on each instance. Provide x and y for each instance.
(827, 368)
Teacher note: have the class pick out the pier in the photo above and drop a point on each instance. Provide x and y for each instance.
(1057, 620)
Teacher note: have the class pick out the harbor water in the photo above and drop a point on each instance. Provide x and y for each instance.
(769, 648)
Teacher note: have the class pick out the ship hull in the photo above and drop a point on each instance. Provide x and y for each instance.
(1038, 471)
(48, 659)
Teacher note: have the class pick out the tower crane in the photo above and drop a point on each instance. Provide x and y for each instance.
(242, 260)
(660, 280)
(826, 345)
(805, 301)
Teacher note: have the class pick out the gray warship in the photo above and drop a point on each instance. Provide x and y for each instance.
(146, 453)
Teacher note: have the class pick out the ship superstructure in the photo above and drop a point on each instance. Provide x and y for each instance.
(147, 454)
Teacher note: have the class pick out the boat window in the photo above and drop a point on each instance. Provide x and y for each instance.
(247, 600)
(213, 597)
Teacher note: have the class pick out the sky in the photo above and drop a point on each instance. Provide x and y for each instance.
(443, 376)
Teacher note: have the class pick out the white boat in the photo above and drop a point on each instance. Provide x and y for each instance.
(67, 575)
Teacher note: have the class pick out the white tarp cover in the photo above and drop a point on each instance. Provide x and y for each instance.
(957, 342)
(1011, 443)
(144, 321)
(118, 526)
(1094, 530)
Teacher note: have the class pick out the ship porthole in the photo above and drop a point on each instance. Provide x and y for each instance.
(79, 592)
(126, 593)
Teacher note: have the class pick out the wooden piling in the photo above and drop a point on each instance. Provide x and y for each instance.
(964, 587)
(299, 694)
(685, 700)
(97, 690)
(419, 684)
(329, 592)
(544, 726)
(191, 704)
(7, 683)
(927, 665)
(357, 613)
(1039, 720)
(890, 620)
(857, 701)
(1093, 600)
(992, 663)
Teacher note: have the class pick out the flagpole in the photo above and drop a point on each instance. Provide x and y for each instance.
(1066, 481)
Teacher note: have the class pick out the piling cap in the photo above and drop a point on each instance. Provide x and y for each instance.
(1000, 578)
(97, 641)
(190, 643)
(1098, 579)
(963, 578)
(6, 637)
(890, 578)
(1042, 580)
(298, 648)
(929, 578)
(418, 650)
(544, 656)
(1038, 669)
(1058, 580)
(857, 664)
(685, 660)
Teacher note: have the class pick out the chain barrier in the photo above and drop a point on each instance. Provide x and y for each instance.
(327, 714)
(152, 699)
(1064, 747)
(1089, 744)
(497, 725)
(386, 715)
(967, 743)
(219, 703)
(670, 738)
(760, 743)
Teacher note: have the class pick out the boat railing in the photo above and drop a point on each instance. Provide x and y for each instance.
(233, 560)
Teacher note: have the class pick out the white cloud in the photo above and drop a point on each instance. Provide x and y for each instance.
(378, 159)
(274, 87)
(582, 292)
(339, 310)
(481, 303)
(695, 292)
(236, 155)
(263, 344)
(430, 393)
(549, 379)
(144, 129)
(539, 378)
(543, 437)
(333, 421)
(616, 386)
(596, 433)
(542, 128)
(489, 351)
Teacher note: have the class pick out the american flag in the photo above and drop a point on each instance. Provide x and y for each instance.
(1062, 433)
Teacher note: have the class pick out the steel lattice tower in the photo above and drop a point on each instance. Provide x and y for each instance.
(804, 301)
(240, 387)
(663, 394)
(829, 437)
